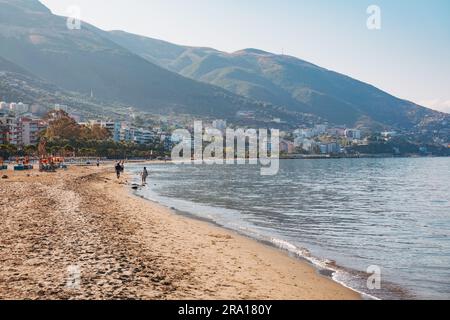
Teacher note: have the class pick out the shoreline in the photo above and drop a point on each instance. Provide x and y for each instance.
(321, 271)
(130, 248)
(326, 265)
(324, 271)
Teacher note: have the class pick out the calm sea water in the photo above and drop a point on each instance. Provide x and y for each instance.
(342, 215)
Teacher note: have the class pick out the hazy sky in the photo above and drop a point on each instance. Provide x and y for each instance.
(409, 57)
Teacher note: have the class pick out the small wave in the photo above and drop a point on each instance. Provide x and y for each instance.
(337, 274)
(236, 221)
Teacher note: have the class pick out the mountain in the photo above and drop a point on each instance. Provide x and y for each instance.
(17, 84)
(163, 78)
(85, 60)
(8, 66)
(281, 80)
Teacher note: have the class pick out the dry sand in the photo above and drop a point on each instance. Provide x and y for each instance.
(125, 247)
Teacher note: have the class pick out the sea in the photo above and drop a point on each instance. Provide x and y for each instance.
(378, 226)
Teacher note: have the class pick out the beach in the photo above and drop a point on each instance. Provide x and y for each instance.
(125, 247)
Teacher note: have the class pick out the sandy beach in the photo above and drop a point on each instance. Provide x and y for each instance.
(125, 247)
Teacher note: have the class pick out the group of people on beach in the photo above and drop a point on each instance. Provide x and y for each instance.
(120, 168)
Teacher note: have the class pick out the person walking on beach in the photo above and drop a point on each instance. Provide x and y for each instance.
(118, 169)
(144, 175)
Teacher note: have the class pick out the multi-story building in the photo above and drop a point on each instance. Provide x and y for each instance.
(28, 130)
(287, 146)
(22, 108)
(18, 108)
(114, 128)
(329, 148)
(304, 143)
(21, 131)
(389, 134)
(8, 130)
(12, 106)
(4, 130)
(142, 136)
(126, 133)
(336, 132)
(353, 134)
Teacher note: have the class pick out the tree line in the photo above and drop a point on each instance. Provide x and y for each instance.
(66, 138)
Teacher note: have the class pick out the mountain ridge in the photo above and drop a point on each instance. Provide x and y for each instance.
(160, 77)
(281, 80)
(86, 60)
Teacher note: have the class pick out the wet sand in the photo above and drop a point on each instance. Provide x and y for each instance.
(84, 220)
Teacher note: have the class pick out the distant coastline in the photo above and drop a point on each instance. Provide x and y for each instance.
(361, 156)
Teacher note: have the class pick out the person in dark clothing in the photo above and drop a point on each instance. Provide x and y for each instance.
(144, 175)
(118, 169)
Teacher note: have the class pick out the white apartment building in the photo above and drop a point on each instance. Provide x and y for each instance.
(124, 131)
(142, 136)
(114, 128)
(12, 106)
(18, 108)
(353, 134)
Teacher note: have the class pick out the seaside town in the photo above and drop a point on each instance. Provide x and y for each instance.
(211, 151)
(22, 126)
